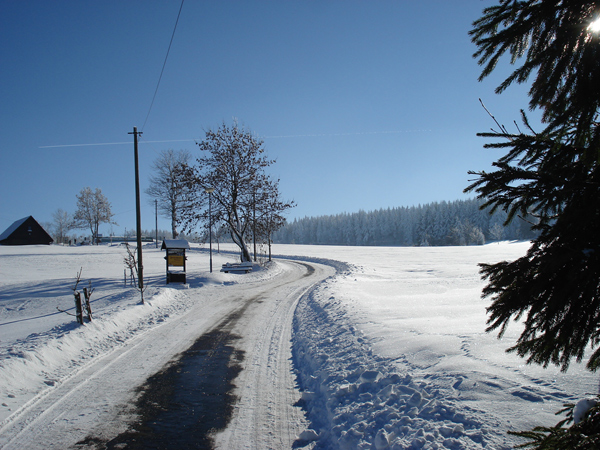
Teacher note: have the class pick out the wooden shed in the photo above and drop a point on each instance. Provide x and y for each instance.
(25, 231)
(175, 258)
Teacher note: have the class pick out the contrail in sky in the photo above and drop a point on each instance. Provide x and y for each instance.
(263, 137)
(114, 143)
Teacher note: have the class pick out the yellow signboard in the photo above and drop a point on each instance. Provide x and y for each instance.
(176, 260)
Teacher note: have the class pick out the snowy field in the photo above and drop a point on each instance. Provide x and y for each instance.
(389, 352)
(414, 318)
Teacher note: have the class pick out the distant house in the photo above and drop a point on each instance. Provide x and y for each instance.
(25, 232)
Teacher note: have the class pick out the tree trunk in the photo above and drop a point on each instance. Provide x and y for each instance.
(269, 246)
(174, 225)
(95, 233)
(239, 241)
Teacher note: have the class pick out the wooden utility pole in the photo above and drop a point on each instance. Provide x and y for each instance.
(156, 222)
(138, 218)
(254, 222)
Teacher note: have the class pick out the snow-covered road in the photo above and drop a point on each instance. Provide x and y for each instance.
(96, 402)
(265, 415)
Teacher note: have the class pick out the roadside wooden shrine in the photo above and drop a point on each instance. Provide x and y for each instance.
(175, 258)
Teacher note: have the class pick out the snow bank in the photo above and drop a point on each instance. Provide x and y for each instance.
(357, 400)
(44, 359)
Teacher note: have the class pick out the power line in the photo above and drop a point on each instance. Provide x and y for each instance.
(164, 64)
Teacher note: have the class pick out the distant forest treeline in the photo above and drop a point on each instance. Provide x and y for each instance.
(460, 222)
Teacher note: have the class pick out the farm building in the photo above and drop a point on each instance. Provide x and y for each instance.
(25, 231)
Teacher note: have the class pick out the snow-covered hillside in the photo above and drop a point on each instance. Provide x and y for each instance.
(390, 352)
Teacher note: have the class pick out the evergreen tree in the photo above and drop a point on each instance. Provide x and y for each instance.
(558, 43)
(554, 173)
(460, 222)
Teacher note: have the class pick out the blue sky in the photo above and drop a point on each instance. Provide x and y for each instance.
(364, 104)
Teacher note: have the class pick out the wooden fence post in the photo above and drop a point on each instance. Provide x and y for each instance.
(78, 308)
(87, 293)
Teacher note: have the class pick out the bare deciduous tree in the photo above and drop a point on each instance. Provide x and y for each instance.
(93, 208)
(63, 223)
(233, 163)
(166, 187)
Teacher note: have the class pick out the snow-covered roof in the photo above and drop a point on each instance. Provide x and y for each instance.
(16, 224)
(175, 243)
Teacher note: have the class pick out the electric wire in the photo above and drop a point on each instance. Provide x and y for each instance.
(164, 65)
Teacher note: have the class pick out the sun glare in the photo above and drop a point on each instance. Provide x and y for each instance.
(595, 26)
